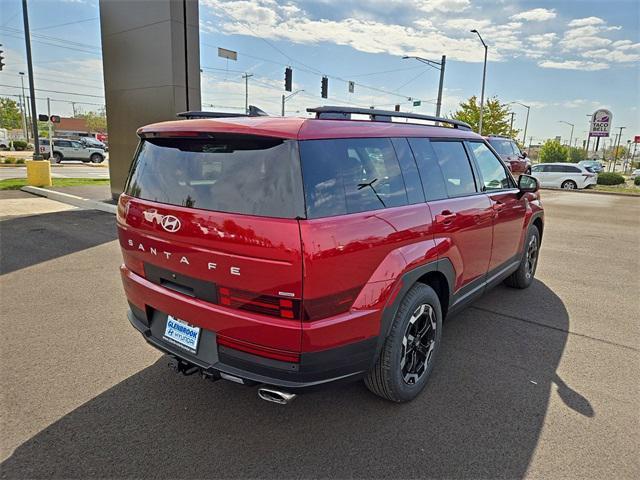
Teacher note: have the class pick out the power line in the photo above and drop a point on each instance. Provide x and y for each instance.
(54, 100)
(55, 91)
(51, 38)
(67, 23)
(51, 44)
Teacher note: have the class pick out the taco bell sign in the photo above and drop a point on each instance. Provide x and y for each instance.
(600, 123)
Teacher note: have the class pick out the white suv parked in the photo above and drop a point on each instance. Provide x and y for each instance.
(74, 150)
(569, 176)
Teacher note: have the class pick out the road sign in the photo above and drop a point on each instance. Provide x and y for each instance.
(417, 103)
(228, 54)
(600, 123)
(636, 139)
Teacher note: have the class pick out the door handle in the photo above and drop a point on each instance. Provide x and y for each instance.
(497, 206)
(446, 217)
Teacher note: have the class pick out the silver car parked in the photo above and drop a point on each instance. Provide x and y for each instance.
(64, 149)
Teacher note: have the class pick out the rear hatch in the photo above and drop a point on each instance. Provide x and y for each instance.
(214, 218)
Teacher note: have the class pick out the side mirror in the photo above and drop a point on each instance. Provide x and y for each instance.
(524, 154)
(528, 184)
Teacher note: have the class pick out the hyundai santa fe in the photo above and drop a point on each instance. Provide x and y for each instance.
(290, 253)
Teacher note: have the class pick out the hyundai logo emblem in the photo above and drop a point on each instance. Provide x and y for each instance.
(170, 223)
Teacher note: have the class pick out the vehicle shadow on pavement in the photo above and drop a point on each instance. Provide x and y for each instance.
(33, 239)
(480, 416)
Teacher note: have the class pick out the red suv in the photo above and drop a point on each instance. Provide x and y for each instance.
(510, 152)
(289, 252)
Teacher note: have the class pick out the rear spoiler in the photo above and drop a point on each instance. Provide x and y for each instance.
(253, 112)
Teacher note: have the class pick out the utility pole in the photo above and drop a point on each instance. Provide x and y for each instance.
(50, 129)
(24, 115)
(246, 77)
(616, 148)
(73, 107)
(32, 89)
(511, 127)
(438, 66)
(24, 104)
(484, 78)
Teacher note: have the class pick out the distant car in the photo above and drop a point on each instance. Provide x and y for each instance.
(93, 142)
(635, 173)
(568, 176)
(510, 152)
(4, 139)
(64, 149)
(592, 165)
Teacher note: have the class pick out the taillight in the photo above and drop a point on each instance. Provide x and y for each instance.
(288, 308)
(323, 307)
(134, 264)
(257, 350)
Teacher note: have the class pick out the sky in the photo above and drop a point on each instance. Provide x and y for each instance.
(563, 58)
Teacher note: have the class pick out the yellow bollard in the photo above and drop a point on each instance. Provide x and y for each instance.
(38, 173)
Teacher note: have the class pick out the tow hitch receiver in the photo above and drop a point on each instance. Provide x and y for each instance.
(184, 368)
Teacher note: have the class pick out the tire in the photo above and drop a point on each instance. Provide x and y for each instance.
(391, 377)
(568, 185)
(57, 157)
(96, 158)
(523, 276)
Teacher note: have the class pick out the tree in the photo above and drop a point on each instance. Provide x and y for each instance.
(96, 121)
(496, 117)
(10, 116)
(552, 151)
(577, 154)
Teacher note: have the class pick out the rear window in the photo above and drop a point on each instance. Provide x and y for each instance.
(242, 174)
(350, 175)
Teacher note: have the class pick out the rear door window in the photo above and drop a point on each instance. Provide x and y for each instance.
(409, 170)
(494, 175)
(455, 166)
(242, 174)
(430, 173)
(350, 175)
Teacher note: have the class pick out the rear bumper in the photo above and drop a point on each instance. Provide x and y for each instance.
(316, 369)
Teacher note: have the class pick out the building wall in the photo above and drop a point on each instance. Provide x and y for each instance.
(151, 64)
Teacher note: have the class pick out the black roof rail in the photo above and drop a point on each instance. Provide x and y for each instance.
(253, 112)
(344, 113)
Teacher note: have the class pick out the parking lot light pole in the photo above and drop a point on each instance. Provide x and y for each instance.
(571, 125)
(484, 78)
(526, 122)
(438, 66)
(34, 114)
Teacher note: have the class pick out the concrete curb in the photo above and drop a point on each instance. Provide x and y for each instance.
(596, 192)
(71, 199)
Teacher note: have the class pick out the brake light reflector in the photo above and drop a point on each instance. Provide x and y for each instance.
(255, 302)
(258, 350)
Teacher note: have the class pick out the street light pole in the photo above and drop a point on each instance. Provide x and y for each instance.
(23, 102)
(246, 77)
(438, 66)
(484, 78)
(571, 125)
(285, 98)
(32, 90)
(616, 148)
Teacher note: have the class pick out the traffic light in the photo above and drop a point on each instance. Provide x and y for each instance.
(324, 87)
(55, 118)
(43, 118)
(397, 108)
(288, 79)
(1, 58)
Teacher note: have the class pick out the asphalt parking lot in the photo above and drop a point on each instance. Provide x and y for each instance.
(541, 383)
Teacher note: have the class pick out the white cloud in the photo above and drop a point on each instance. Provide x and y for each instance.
(466, 24)
(582, 22)
(535, 15)
(442, 5)
(573, 65)
(543, 41)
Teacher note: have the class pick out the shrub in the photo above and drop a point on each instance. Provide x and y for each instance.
(19, 161)
(9, 160)
(636, 181)
(610, 178)
(577, 154)
(552, 152)
(19, 145)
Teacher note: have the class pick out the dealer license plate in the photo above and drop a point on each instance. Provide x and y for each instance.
(182, 334)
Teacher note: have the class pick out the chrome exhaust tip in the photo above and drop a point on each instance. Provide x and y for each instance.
(276, 396)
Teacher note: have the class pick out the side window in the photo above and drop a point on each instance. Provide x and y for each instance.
(516, 149)
(456, 169)
(494, 176)
(430, 173)
(571, 169)
(350, 175)
(409, 170)
(64, 143)
(76, 144)
(538, 168)
(555, 168)
(503, 147)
